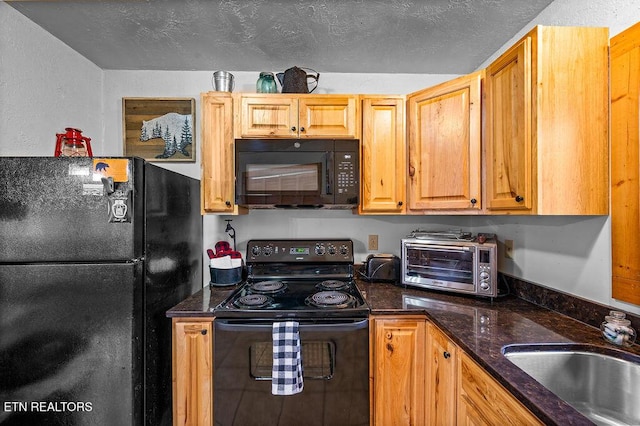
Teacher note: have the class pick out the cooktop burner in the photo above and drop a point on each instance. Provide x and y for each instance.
(253, 301)
(297, 279)
(332, 285)
(331, 299)
(268, 287)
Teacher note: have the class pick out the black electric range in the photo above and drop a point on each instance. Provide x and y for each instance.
(296, 278)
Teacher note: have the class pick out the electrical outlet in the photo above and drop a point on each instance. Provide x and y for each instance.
(508, 249)
(373, 242)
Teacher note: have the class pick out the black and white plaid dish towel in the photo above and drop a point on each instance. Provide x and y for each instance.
(286, 376)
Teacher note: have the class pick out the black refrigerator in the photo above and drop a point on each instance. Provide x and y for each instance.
(93, 252)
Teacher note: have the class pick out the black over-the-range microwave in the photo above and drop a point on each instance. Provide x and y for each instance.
(297, 173)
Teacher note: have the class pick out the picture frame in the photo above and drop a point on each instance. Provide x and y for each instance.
(159, 129)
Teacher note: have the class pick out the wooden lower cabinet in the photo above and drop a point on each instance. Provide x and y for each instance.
(192, 359)
(441, 365)
(413, 366)
(418, 376)
(397, 370)
(483, 401)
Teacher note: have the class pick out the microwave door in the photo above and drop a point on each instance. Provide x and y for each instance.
(273, 179)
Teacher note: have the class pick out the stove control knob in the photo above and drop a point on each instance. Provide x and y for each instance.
(267, 250)
(320, 250)
(332, 249)
(344, 250)
(255, 250)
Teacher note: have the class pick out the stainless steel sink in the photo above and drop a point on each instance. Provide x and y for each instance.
(603, 387)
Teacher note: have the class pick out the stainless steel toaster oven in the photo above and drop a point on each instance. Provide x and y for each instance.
(456, 262)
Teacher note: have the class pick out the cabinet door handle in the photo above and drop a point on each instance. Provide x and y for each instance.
(227, 203)
(473, 201)
(446, 355)
(203, 331)
(519, 199)
(302, 129)
(399, 203)
(293, 128)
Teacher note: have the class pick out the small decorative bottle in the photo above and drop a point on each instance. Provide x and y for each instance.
(617, 330)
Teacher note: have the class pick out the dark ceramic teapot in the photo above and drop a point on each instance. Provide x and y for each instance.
(298, 80)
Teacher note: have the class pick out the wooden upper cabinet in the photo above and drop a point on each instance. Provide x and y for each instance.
(547, 124)
(508, 136)
(263, 116)
(383, 162)
(297, 116)
(445, 146)
(328, 116)
(397, 367)
(625, 164)
(217, 185)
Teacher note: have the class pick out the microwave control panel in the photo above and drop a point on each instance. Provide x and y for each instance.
(346, 176)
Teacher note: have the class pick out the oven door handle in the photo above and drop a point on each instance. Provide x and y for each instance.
(243, 325)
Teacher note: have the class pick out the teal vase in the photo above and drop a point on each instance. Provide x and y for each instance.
(266, 83)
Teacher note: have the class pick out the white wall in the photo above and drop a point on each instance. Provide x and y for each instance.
(45, 86)
(571, 254)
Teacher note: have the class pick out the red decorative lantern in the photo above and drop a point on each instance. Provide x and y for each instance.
(73, 144)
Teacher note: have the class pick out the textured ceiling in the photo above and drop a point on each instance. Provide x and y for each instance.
(352, 36)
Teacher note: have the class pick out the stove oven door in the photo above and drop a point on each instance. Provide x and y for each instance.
(335, 360)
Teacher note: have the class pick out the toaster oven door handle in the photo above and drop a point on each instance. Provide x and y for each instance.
(437, 247)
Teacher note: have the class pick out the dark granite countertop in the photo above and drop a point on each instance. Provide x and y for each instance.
(202, 303)
(480, 327)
